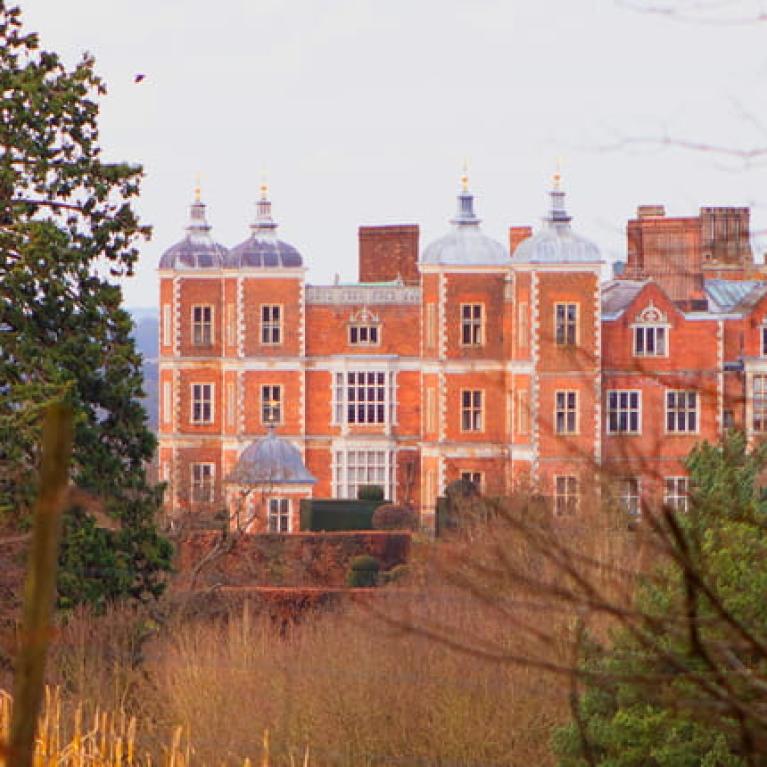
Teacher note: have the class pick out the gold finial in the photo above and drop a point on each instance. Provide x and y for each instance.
(264, 190)
(557, 177)
(465, 177)
(197, 189)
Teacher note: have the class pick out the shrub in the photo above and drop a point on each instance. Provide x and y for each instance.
(393, 517)
(363, 571)
(370, 493)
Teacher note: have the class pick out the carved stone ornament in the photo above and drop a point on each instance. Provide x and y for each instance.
(651, 315)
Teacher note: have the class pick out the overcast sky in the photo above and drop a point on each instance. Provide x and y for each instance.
(362, 112)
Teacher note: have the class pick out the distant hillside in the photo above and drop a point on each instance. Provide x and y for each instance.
(146, 334)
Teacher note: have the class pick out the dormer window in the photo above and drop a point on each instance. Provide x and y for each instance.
(651, 330)
(364, 329)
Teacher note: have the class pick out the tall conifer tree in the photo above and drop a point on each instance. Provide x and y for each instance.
(66, 229)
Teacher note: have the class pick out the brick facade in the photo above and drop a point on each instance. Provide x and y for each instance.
(422, 373)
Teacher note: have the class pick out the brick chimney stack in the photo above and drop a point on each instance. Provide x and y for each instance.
(389, 252)
(517, 234)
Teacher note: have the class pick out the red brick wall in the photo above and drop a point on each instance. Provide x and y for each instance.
(327, 329)
(285, 292)
(389, 252)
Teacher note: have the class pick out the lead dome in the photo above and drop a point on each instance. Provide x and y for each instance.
(262, 248)
(556, 243)
(271, 460)
(465, 245)
(197, 250)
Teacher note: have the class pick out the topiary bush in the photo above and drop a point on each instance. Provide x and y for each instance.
(390, 516)
(370, 493)
(363, 572)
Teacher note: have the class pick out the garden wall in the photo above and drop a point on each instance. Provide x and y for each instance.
(298, 559)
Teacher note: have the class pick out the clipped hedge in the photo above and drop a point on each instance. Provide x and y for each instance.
(335, 515)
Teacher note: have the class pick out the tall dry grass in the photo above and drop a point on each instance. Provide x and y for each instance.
(353, 689)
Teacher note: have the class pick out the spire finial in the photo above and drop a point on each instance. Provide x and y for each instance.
(197, 189)
(465, 176)
(557, 177)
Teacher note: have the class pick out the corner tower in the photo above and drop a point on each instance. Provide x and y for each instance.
(557, 280)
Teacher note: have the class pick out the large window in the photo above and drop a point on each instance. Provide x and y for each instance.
(650, 341)
(759, 403)
(565, 495)
(471, 324)
(676, 493)
(203, 477)
(566, 324)
(202, 403)
(167, 324)
(681, 411)
(279, 515)
(357, 467)
(471, 410)
(271, 324)
(271, 404)
(202, 325)
(364, 397)
(566, 412)
(624, 415)
(629, 496)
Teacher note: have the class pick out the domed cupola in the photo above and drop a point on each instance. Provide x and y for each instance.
(270, 461)
(465, 245)
(197, 250)
(262, 249)
(556, 243)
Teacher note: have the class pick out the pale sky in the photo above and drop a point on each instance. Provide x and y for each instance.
(362, 112)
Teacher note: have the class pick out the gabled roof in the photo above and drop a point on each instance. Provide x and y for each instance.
(619, 294)
(733, 295)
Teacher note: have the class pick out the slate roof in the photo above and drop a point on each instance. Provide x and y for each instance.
(733, 295)
(618, 294)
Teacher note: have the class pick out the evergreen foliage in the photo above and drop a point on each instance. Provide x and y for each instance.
(682, 682)
(66, 227)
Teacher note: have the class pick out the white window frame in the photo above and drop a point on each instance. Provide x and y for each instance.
(268, 392)
(472, 411)
(278, 515)
(758, 395)
(627, 410)
(358, 465)
(202, 476)
(681, 414)
(431, 325)
(676, 493)
(231, 324)
(523, 326)
(431, 409)
(167, 325)
(343, 381)
(200, 398)
(630, 496)
(270, 328)
(566, 405)
(231, 403)
(364, 329)
(472, 319)
(566, 495)
(650, 334)
(167, 402)
(567, 323)
(202, 325)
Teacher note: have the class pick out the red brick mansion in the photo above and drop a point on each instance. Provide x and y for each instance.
(507, 364)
